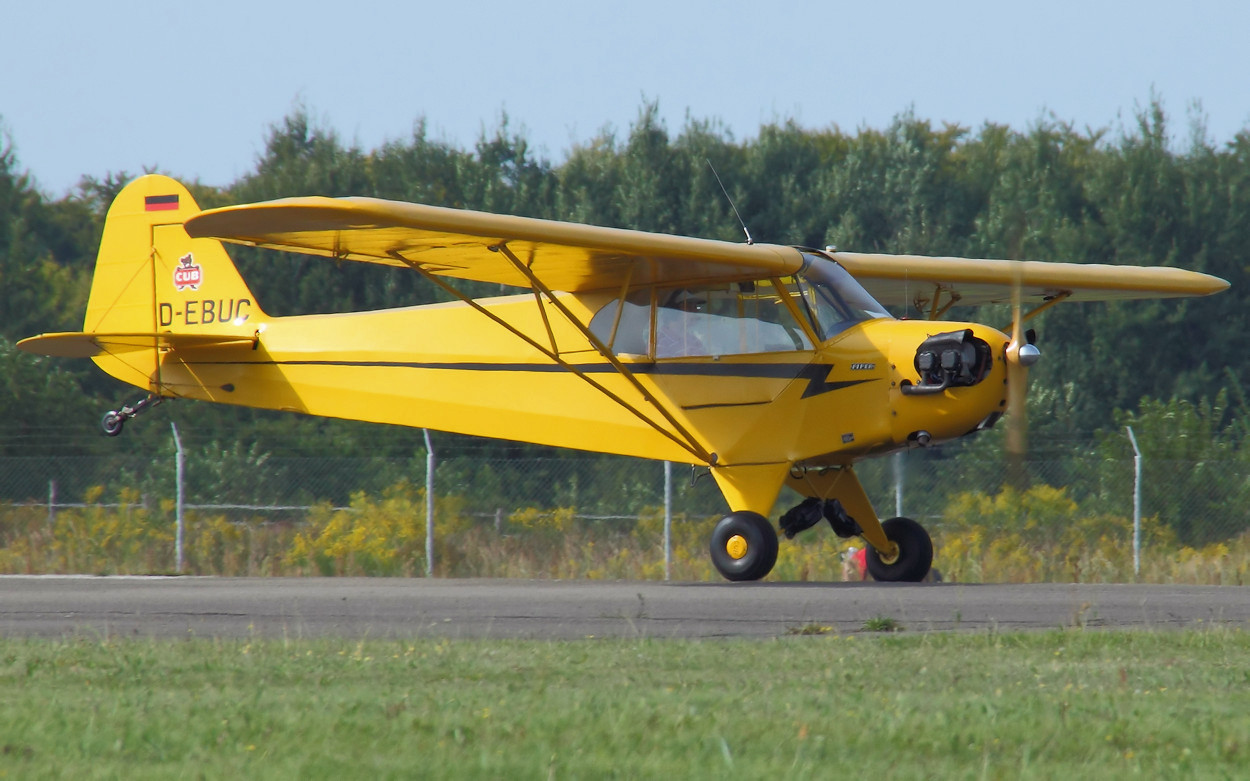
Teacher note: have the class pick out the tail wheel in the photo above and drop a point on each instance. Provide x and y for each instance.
(744, 546)
(112, 423)
(915, 552)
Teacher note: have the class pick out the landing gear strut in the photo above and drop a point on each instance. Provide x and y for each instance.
(113, 420)
(909, 558)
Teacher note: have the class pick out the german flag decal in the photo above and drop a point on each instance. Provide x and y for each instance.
(160, 203)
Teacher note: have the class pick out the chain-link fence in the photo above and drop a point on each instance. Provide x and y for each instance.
(1201, 502)
(522, 511)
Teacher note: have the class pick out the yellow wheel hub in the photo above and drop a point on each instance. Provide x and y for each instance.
(736, 546)
(889, 555)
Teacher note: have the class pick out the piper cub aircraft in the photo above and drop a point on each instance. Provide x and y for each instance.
(769, 365)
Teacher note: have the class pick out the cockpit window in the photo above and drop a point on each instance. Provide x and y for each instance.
(629, 332)
(736, 318)
(729, 319)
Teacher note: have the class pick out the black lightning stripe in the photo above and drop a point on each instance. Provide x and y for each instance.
(817, 376)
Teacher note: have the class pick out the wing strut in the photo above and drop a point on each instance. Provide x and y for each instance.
(686, 441)
(1029, 315)
(690, 442)
(935, 312)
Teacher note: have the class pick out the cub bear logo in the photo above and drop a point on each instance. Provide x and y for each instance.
(188, 273)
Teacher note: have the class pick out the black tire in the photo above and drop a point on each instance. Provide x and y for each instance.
(112, 423)
(744, 546)
(915, 552)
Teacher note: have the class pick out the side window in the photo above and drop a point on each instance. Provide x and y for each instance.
(630, 333)
(732, 319)
(681, 322)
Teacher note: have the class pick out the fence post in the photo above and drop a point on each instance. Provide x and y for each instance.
(898, 482)
(668, 520)
(429, 505)
(1136, 503)
(51, 503)
(178, 467)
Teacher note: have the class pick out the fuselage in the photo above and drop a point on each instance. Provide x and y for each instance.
(757, 372)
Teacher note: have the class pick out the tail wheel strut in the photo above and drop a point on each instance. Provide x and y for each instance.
(113, 420)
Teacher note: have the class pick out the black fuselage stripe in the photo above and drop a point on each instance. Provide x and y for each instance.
(816, 374)
(781, 371)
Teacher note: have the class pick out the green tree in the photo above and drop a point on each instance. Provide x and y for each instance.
(42, 406)
(36, 292)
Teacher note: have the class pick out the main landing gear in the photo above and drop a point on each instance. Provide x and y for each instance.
(744, 544)
(113, 420)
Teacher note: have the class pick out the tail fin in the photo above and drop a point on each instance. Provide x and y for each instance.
(155, 288)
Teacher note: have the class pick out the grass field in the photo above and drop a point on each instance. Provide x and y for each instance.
(1064, 704)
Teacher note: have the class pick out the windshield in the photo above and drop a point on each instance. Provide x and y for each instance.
(834, 300)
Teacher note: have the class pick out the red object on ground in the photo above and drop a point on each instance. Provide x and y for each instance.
(860, 560)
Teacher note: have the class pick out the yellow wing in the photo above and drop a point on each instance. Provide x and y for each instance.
(458, 243)
(576, 258)
(920, 281)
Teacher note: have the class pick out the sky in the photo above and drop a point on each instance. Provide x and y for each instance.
(193, 90)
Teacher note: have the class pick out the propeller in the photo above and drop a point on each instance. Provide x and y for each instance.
(1021, 354)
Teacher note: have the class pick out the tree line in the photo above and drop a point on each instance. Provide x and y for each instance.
(1051, 192)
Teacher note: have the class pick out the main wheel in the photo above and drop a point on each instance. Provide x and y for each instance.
(915, 552)
(744, 546)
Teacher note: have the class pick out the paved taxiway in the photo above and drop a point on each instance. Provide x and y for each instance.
(57, 606)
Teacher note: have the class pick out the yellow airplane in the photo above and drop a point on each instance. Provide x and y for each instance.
(769, 365)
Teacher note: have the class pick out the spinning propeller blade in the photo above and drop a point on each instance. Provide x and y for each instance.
(1020, 356)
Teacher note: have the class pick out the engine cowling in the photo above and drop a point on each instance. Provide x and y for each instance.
(957, 359)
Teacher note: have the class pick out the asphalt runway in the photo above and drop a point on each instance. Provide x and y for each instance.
(176, 607)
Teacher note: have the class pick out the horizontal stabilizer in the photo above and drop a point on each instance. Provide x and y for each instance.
(84, 345)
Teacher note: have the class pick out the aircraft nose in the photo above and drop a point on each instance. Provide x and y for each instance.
(954, 359)
(952, 382)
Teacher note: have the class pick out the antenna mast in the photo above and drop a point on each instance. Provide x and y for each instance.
(731, 202)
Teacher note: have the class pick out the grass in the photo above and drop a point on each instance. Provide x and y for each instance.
(1070, 704)
(882, 624)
